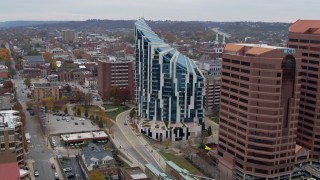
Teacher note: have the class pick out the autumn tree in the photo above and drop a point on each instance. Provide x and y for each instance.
(53, 65)
(209, 131)
(203, 126)
(96, 175)
(124, 95)
(132, 113)
(64, 99)
(79, 112)
(18, 59)
(78, 97)
(66, 110)
(86, 113)
(7, 84)
(101, 114)
(29, 104)
(88, 99)
(48, 103)
(4, 55)
(19, 108)
(115, 92)
(78, 54)
(47, 56)
(27, 82)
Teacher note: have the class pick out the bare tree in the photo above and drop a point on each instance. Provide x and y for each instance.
(88, 98)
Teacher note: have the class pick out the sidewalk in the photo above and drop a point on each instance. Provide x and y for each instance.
(156, 155)
(215, 130)
(30, 166)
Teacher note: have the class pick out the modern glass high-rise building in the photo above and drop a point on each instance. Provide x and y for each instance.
(169, 86)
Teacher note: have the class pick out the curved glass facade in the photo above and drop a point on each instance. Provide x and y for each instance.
(169, 86)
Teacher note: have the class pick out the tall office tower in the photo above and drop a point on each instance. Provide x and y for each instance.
(169, 88)
(258, 111)
(305, 35)
(68, 36)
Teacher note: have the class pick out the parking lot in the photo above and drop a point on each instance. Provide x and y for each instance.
(72, 169)
(69, 124)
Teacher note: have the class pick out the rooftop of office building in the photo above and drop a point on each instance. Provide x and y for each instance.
(39, 85)
(305, 27)
(113, 59)
(252, 49)
(9, 119)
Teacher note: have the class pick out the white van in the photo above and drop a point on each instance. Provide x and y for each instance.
(28, 138)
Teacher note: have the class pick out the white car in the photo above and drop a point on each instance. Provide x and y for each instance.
(67, 169)
(56, 176)
(36, 173)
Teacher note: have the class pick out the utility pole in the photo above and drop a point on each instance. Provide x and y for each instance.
(67, 137)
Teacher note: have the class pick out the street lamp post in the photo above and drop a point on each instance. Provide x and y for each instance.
(47, 128)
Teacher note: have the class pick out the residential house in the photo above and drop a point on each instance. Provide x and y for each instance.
(95, 158)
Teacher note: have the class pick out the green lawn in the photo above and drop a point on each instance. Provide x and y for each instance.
(91, 109)
(215, 119)
(113, 114)
(111, 106)
(181, 162)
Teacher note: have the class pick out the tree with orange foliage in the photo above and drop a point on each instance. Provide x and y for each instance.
(4, 54)
(96, 175)
(47, 56)
(19, 108)
(48, 103)
(7, 84)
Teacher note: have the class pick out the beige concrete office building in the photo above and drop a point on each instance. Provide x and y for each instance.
(260, 92)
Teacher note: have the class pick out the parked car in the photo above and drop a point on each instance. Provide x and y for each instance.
(75, 123)
(63, 118)
(36, 173)
(67, 169)
(70, 175)
(53, 166)
(54, 144)
(56, 176)
(58, 119)
(72, 117)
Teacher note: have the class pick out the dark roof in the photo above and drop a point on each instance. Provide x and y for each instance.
(45, 84)
(34, 59)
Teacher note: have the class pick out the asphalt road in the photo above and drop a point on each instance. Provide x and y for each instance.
(131, 143)
(38, 151)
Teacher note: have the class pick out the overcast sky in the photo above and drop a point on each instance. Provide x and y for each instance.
(211, 10)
